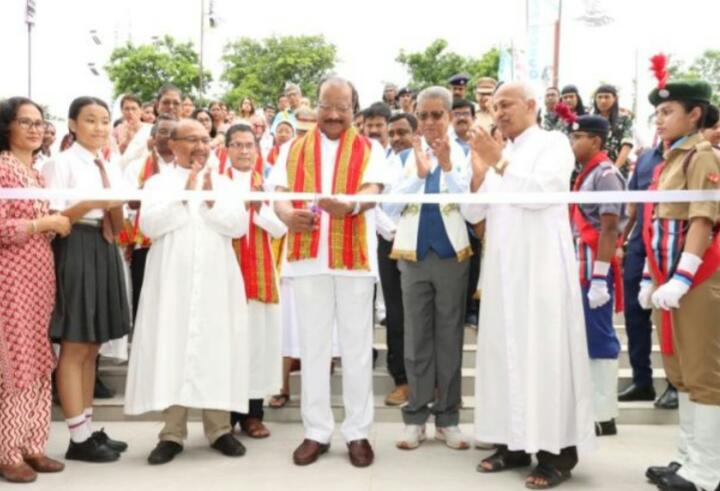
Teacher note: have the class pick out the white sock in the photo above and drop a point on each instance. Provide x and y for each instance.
(79, 429)
(88, 417)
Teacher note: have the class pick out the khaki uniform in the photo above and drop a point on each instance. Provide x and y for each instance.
(484, 120)
(694, 367)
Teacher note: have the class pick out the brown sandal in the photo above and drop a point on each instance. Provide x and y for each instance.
(255, 428)
(279, 400)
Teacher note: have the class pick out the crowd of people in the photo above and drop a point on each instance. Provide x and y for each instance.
(223, 298)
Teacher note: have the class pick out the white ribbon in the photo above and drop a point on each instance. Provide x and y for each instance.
(504, 198)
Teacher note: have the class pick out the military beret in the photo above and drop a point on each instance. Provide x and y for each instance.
(459, 79)
(591, 124)
(404, 91)
(682, 90)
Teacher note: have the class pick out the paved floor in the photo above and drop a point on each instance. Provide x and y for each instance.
(618, 464)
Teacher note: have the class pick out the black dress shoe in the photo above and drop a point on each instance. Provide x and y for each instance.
(164, 452)
(102, 391)
(605, 428)
(229, 445)
(91, 451)
(637, 393)
(471, 319)
(103, 438)
(673, 482)
(654, 474)
(669, 399)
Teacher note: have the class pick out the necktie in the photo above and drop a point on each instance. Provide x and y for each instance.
(107, 231)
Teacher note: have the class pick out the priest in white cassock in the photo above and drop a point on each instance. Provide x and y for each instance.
(533, 389)
(190, 346)
(255, 258)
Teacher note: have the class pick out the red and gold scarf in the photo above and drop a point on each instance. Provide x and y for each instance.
(347, 237)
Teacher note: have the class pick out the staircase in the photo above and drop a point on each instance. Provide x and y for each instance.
(630, 413)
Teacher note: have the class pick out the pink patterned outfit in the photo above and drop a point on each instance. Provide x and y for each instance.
(27, 297)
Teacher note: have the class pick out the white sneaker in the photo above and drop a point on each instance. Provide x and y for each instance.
(452, 436)
(413, 436)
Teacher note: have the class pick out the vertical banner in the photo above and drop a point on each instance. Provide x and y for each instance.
(542, 16)
(505, 66)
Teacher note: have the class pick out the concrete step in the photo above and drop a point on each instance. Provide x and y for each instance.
(470, 355)
(112, 410)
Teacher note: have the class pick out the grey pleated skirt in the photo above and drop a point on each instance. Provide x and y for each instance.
(91, 302)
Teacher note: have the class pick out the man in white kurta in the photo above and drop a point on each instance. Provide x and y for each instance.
(190, 342)
(255, 257)
(333, 275)
(533, 391)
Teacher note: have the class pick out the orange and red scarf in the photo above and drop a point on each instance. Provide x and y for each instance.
(348, 235)
(131, 234)
(254, 252)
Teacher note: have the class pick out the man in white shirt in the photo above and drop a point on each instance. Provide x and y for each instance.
(333, 266)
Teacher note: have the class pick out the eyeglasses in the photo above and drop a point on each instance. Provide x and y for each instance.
(27, 123)
(436, 115)
(341, 108)
(169, 102)
(461, 114)
(241, 146)
(194, 140)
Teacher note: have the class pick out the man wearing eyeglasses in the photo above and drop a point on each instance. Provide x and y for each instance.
(190, 346)
(332, 264)
(432, 248)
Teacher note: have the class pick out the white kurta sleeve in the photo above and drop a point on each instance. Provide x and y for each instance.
(476, 212)
(551, 172)
(159, 216)
(227, 216)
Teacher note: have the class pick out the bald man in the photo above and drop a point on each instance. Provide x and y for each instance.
(533, 387)
(190, 339)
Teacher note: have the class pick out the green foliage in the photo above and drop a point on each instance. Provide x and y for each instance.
(260, 69)
(435, 65)
(142, 70)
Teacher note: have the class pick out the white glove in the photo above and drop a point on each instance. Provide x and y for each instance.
(646, 289)
(598, 294)
(668, 295)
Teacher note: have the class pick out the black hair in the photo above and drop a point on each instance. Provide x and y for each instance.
(168, 88)
(614, 110)
(411, 119)
(8, 112)
(130, 97)
(194, 115)
(571, 89)
(378, 110)
(552, 87)
(237, 128)
(461, 103)
(706, 113)
(161, 117)
(77, 105)
(712, 116)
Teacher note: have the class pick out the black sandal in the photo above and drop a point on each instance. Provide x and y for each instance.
(502, 460)
(552, 476)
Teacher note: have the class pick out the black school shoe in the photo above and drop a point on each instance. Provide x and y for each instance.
(606, 428)
(91, 451)
(103, 438)
(229, 446)
(164, 452)
(669, 399)
(655, 474)
(673, 482)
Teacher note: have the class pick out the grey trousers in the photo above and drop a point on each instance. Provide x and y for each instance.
(434, 298)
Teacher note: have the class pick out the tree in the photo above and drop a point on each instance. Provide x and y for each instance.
(435, 65)
(705, 67)
(260, 69)
(143, 70)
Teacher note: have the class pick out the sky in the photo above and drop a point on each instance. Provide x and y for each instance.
(368, 35)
